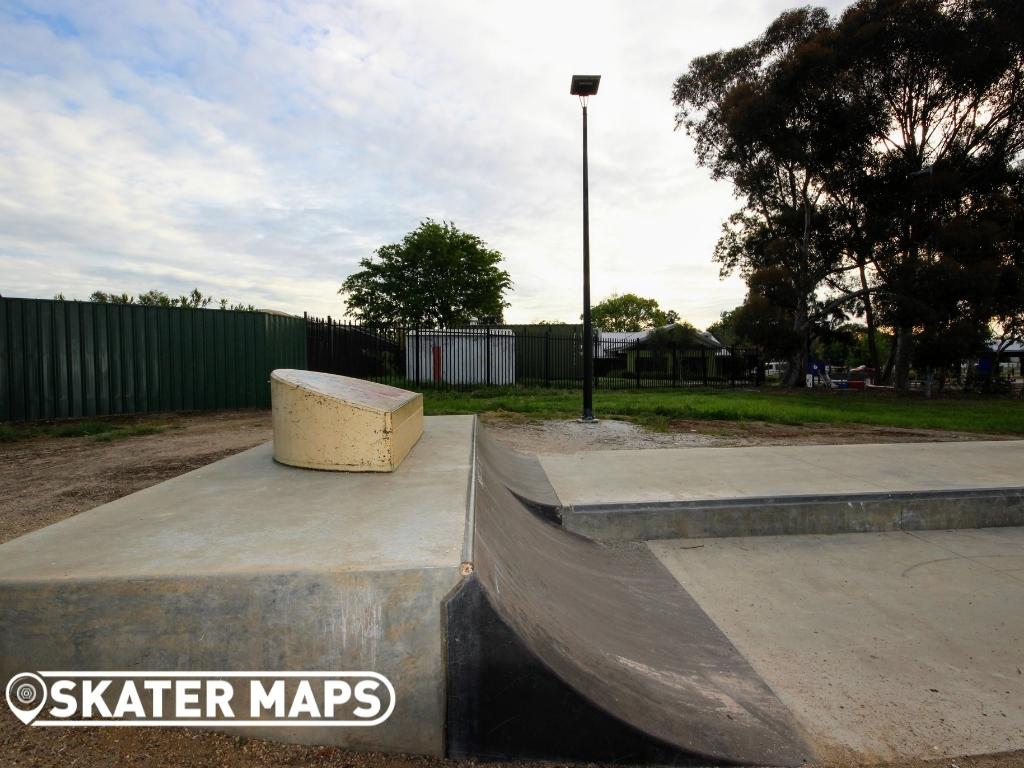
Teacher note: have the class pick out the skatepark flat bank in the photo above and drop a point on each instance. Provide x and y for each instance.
(506, 635)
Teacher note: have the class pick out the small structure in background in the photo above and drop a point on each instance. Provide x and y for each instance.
(611, 342)
(485, 356)
(672, 352)
(999, 369)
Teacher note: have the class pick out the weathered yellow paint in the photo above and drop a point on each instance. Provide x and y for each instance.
(323, 421)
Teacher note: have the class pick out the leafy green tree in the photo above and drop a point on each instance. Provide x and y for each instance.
(438, 276)
(194, 300)
(1009, 319)
(765, 323)
(847, 343)
(630, 312)
(681, 334)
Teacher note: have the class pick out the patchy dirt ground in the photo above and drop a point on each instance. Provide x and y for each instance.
(44, 480)
(23, 747)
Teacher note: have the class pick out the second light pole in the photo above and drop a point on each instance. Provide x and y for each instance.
(585, 86)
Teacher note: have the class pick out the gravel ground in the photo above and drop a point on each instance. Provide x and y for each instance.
(44, 480)
(535, 436)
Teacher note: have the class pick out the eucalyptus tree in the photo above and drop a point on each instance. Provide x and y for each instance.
(772, 117)
(943, 90)
(873, 155)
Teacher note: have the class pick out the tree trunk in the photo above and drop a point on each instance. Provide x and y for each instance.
(901, 363)
(886, 375)
(797, 365)
(797, 360)
(869, 318)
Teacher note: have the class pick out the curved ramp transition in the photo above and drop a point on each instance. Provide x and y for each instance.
(561, 647)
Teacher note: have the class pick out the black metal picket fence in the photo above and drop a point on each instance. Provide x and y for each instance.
(506, 356)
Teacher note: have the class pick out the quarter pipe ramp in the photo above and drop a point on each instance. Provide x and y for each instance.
(561, 647)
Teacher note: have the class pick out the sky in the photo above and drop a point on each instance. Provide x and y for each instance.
(258, 151)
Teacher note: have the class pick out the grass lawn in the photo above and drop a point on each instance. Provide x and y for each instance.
(656, 409)
(659, 408)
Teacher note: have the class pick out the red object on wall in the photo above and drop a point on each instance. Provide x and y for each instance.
(437, 365)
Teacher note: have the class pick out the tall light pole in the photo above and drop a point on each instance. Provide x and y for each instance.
(585, 86)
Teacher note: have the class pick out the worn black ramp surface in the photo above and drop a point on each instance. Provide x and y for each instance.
(613, 626)
(504, 702)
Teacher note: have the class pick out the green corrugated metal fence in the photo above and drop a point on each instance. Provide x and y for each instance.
(61, 359)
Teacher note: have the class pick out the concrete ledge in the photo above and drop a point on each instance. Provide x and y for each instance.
(383, 621)
(247, 564)
(323, 421)
(794, 515)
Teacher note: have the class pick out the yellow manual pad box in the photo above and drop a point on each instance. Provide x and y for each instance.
(323, 421)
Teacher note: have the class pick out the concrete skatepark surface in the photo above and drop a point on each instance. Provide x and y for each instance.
(247, 564)
(882, 644)
(208, 584)
(707, 492)
(600, 477)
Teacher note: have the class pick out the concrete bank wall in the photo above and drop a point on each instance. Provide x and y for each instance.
(249, 565)
(383, 621)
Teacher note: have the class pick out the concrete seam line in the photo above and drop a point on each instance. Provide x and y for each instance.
(467, 537)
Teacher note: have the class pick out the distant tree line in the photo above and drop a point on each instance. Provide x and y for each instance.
(196, 299)
(877, 158)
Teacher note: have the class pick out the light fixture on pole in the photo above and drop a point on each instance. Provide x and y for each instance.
(585, 86)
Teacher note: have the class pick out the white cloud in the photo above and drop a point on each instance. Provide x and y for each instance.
(259, 151)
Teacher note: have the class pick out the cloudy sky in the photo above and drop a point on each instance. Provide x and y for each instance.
(258, 151)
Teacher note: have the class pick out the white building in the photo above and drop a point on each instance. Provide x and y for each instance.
(485, 356)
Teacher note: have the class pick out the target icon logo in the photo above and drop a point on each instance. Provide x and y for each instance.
(26, 696)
